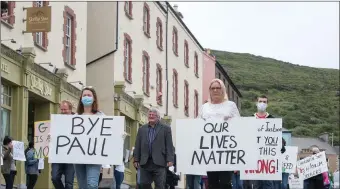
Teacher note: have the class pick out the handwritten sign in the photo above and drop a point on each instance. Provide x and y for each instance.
(312, 165)
(41, 164)
(86, 139)
(268, 155)
(41, 138)
(295, 183)
(18, 151)
(214, 145)
(289, 159)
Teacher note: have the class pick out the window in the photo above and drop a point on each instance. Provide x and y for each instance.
(127, 58)
(186, 53)
(159, 86)
(233, 95)
(186, 98)
(146, 73)
(175, 88)
(6, 107)
(175, 41)
(219, 75)
(224, 81)
(127, 142)
(159, 34)
(146, 20)
(228, 92)
(7, 12)
(128, 9)
(196, 104)
(40, 38)
(196, 64)
(237, 101)
(69, 50)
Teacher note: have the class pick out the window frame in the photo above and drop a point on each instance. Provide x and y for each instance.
(186, 98)
(146, 73)
(6, 107)
(186, 53)
(175, 41)
(128, 9)
(196, 64)
(175, 88)
(159, 84)
(195, 103)
(146, 20)
(127, 58)
(159, 34)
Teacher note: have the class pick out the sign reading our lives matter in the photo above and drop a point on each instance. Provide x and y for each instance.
(312, 165)
(268, 155)
(214, 145)
(41, 138)
(86, 139)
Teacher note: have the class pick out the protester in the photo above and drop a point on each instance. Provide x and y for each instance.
(88, 174)
(236, 181)
(282, 184)
(31, 166)
(219, 107)
(59, 169)
(315, 182)
(119, 172)
(8, 169)
(153, 151)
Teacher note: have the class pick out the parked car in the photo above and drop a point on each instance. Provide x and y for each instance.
(336, 180)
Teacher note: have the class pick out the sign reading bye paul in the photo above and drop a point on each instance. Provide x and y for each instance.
(86, 139)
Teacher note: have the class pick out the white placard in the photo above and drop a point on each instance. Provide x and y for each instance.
(41, 164)
(312, 165)
(268, 154)
(295, 183)
(289, 159)
(18, 151)
(215, 145)
(86, 139)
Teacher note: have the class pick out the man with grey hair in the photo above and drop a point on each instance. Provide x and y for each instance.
(153, 151)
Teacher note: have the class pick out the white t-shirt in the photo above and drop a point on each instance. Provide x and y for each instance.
(218, 111)
(120, 168)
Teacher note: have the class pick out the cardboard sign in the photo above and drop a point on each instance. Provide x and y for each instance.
(215, 145)
(312, 165)
(86, 139)
(268, 144)
(18, 151)
(295, 183)
(289, 159)
(38, 19)
(41, 164)
(41, 138)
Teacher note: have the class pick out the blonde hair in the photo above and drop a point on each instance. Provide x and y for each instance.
(223, 88)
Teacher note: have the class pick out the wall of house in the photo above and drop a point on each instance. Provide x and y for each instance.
(54, 51)
(208, 74)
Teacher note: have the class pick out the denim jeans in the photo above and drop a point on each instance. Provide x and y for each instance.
(119, 177)
(87, 175)
(285, 180)
(59, 169)
(237, 183)
(193, 181)
(264, 184)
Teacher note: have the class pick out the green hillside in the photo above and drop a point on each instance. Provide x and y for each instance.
(306, 98)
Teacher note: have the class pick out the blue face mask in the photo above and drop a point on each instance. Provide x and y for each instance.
(87, 100)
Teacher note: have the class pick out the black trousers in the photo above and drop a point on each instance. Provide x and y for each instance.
(151, 172)
(220, 179)
(9, 179)
(31, 180)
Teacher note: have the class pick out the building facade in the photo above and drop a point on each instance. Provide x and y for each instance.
(209, 73)
(39, 70)
(145, 57)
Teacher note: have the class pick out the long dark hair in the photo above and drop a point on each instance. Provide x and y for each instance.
(80, 109)
(7, 140)
(30, 146)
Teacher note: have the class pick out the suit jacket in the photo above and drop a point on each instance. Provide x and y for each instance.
(162, 146)
(7, 159)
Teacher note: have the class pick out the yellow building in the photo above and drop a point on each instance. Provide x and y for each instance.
(30, 93)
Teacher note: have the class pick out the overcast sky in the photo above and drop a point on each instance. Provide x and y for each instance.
(305, 33)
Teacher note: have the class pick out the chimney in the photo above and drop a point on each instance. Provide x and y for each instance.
(324, 137)
(177, 12)
(176, 7)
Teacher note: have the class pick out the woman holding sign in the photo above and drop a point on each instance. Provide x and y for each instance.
(219, 107)
(88, 174)
(31, 166)
(8, 169)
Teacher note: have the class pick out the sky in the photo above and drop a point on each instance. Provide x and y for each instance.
(304, 33)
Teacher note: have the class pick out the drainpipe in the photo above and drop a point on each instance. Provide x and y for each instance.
(1, 131)
(166, 61)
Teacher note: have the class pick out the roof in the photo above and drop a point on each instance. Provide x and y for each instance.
(220, 67)
(286, 130)
(306, 143)
(180, 20)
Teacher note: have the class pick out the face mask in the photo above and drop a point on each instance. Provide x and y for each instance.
(87, 100)
(261, 106)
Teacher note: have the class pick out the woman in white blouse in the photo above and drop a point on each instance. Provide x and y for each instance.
(218, 107)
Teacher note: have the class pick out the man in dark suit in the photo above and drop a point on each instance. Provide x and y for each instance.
(153, 151)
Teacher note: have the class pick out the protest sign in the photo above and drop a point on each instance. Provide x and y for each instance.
(268, 155)
(18, 151)
(41, 138)
(41, 164)
(214, 145)
(289, 159)
(295, 183)
(312, 165)
(86, 139)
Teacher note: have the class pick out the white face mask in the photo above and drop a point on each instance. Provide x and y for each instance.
(261, 106)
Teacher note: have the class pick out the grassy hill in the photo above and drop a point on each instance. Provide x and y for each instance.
(306, 98)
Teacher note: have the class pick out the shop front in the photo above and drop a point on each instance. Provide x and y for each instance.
(30, 93)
